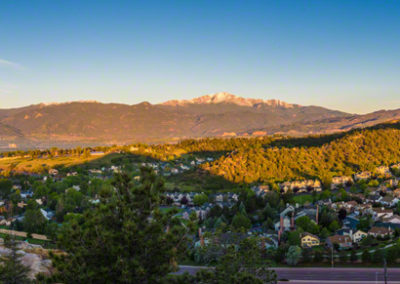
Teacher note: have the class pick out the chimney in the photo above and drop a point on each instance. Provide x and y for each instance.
(292, 221)
(279, 236)
(201, 238)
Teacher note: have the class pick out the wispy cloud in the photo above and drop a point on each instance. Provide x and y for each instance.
(10, 64)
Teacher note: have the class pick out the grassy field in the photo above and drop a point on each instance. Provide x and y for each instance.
(28, 164)
(301, 199)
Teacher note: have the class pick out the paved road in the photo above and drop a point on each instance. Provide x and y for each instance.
(338, 275)
(326, 275)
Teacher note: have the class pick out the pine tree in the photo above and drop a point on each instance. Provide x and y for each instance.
(125, 239)
(12, 271)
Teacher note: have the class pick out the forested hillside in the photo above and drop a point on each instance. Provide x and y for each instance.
(318, 157)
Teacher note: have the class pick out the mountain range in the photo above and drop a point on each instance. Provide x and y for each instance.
(86, 123)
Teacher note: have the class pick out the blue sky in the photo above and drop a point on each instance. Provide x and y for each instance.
(339, 54)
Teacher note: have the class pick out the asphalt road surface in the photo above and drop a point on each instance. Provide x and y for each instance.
(326, 275)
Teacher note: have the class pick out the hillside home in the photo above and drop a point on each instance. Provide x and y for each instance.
(17, 187)
(95, 171)
(362, 176)
(382, 212)
(261, 190)
(396, 192)
(309, 212)
(26, 194)
(345, 231)
(389, 201)
(396, 166)
(373, 197)
(53, 172)
(270, 242)
(395, 220)
(174, 171)
(382, 170)
(342, 181)
(22, 204)
(358, 236)
(309, 240)
(363, 209)
(342, 241)
(380, 232)
(96, 153)
(286, 224)
(301, 186)
(351, 221)
(349, 206)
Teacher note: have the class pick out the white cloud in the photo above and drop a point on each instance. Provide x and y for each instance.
(10, 64)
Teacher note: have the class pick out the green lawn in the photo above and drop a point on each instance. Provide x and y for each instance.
(301, 199)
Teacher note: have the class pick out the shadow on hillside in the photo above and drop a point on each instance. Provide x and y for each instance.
(309, 141)
(320, 140)
(194, 179)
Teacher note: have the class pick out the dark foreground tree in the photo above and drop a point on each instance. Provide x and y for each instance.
(240, 264)
(125, 239)
(11, 269)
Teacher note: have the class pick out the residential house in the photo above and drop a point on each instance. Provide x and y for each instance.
(392, 222)
(373, 197)
(95, 171)
(342, 241)
(358, 236)
(345, 231)
(342, 181)
(301, 186)
(286, 224)
(389, 201)
(382, 212)
(349, 206)
(309, 240)
(363, 209)
(21, 204)
(97, 153)
(27, 194)
(384, 171)
(53, 172)
(362, 176)
(351, 221)
(174, 171)
(261, 190)
(380, 232)
(396, 166)
(396, 192)
(309, 212)
(270, 242)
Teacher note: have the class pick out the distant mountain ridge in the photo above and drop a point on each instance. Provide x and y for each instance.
(88, 123)
(224, 97)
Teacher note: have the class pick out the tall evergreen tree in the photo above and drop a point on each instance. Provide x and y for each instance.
(125, 239)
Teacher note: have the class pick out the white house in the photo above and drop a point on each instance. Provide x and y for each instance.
(358, 236)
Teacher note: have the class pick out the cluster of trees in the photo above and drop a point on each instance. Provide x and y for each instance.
(239, 260)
